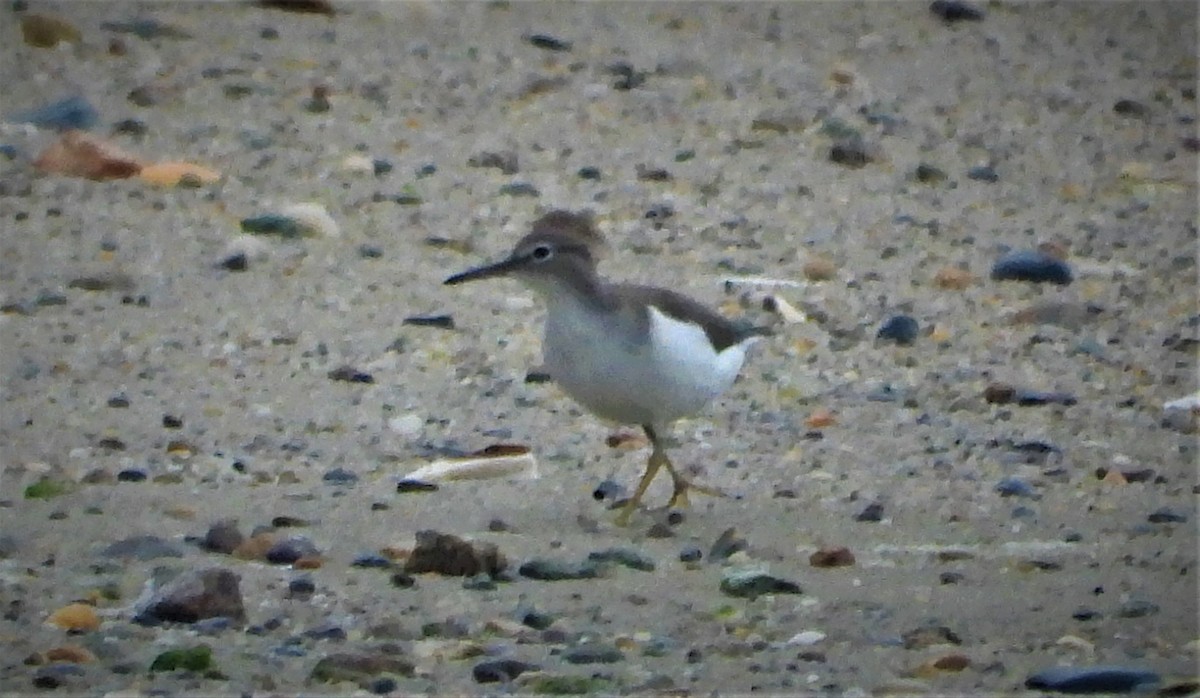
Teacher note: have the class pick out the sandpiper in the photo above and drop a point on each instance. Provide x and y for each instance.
(630, 354)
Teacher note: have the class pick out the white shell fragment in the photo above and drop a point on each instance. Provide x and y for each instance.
(312, 217)
(502, 460)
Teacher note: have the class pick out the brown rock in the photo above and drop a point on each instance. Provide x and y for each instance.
(44, 31)
(953, 278)
(74, 654)
(450, 555)
(832, 557)
(78, 154)
(193, 596)
(819, 269)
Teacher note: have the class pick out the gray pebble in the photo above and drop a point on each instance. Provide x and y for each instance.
(1097, 679)
(593, 653)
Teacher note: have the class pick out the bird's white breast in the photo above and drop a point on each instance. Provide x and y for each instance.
(599, 360)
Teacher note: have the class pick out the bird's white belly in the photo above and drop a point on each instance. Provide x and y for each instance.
(604, 368)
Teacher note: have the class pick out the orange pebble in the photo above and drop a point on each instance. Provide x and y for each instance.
(172, 174)
(953, 278)
(820, 418)
(76, 616)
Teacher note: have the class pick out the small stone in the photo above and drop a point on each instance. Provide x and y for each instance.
(1137, 608)
(1034, 266)
(851, 152)
(75, 617)
(953, 278)
(929, 635)
(45, 31)
(956, 11)
(301, 587)
(360, 668)
(447, 554)
(327, 630)
(1015, 487)
(1167, 515)
(349, 374)
(806, 638)
(754, 583)
(402, 580)
(548, 43)
(340, 476)
(818, 268)
(871, 513)
(73, 654)
(506, 161)
(832, 557)
(901, 329)
(407, 486)
(728, 543)
(373, 561)
(1096, 679)
(142, 548)
(519, 189)
(553, 570)
(500, 670)
(131, 475)
(288, 550)
(441, 322)
(593, 653)
(64, 115)
(1131, 108)
(57, 675)
(983, 173)
(929, 174)
(592, 173)
(195, 659)
(192, 596)
(690, 554)
(623, 556)
(78, 154)
(178, 174)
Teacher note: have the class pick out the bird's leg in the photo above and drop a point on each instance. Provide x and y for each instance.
(679, 497)
(657, 458)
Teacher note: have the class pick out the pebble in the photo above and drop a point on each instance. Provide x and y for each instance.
(78, 154)
(191, 596)
(505, 161)
(1034, 266)
(58, 675)
(443, 553)
(76, 617)
(956, 11)
(1016, 487)
(623, 556)
(554, 570)
(805, 638)
(222, 537)
(359, 667)
(872, 513)
(983, 173)
(727, 544)
(593, 653)
(441, 322)
(349, 374)
(142, 548)
(1137, 608)
(301, 587)
(406, 485)
(1096, 679)
(548, 43)
(691, 553)
(832, 557)
(286, 551)
(500, 670)
(901, 329)
(371, 561)
(132, 475)
(327, 630)
(754, 583)
(929, 635)
(47, 31)
(66, 114)
(1166, 515)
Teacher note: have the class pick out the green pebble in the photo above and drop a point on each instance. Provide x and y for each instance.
(198, 658)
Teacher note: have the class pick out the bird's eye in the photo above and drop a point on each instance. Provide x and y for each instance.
(542, 252)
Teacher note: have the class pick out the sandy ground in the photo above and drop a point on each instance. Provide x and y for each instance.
(1082, 111)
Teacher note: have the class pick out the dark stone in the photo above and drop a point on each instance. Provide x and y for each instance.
(586, 172)
(447, 554)
(929, 174)
(340, 476)
(623, 556)
(505, 161)
(326, 631)
(373, 561)
(871, 513)
(554, 570)
(441, 322)
(1130, 107)
(593, 653)
(287, 550)
(831, 557)
(955, 11)
(57, 675)
(901, 329)
(235, 262)
(548, 43)
(66, 114)
(405, 486)
(501, 670)
(349, 374)
(1167, 515)
(193, 596)
(301, 587)
(850, 152)
(1097, 679)
(132, 475)
(983, 173)
(1015, 487)
(403, 580)
(519, 189)
(1034, 266)
(223, 537)
(726, 544)
(755, 583)
(691, 553)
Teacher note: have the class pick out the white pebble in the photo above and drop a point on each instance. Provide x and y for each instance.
(313, 217)
(807, 637)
